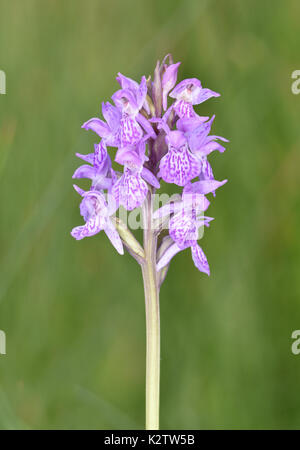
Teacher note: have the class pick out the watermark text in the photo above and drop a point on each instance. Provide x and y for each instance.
(2, 82)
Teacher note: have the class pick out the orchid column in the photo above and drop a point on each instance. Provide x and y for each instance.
(153, 143)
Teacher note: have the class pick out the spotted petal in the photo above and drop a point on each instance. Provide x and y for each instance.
(206, 172)
(101, 159)
(92, 227)
(131, 132)
(184, 109)
(183, 230)
(130, 190)
(179, 166)
(200, 259)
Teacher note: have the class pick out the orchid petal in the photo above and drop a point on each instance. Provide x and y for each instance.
(128, 156)
(168, 81)
(79, 190)
(183, 85)
(150, 177)
(188, 124)
(166, 209)
(192, 200)
(206, 170)
(98, 126)
(141, 93)
(210, 147)
(113, 236)
(183, 230)
(112, 116)
(176, 139)
(125, 101)
(146, 125)
(88, 158)
(84, 171)
(200, 259)
(184, 109)
(179, 166)
(101, 182)
(207, 186)
(101, 156)
(127, 83)
(199, 96)
(221, 138)
(130, 190)
(92, 227)
(198, 136)
(131, 132)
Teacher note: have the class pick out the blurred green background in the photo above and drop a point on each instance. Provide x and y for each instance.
(73, 312)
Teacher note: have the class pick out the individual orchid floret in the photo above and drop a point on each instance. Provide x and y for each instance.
(168, 82)
(201, 143)
(99, 172)
(198, 137)
(130, 189)
(109, 130)
(184, 234)
(187, 218)
(191, 202)
(131, 132)
(96, 213)
(138, 90)
(179, 165)
(130, 100)
(187, 93)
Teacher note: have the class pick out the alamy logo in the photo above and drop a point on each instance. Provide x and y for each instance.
(2, 343)
(296, 344)
(296, 84)
(2, 82)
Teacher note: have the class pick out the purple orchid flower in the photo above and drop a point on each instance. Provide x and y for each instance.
(130, 189)
(99, 172)
(183, 230)
(139, 90)
(179, 165)
(185, 222)
(130, 100)
(201, 144)
(198, 137)
(96, 213)
(187, 93)
(109, 131)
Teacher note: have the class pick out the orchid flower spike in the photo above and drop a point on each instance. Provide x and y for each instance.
(143, 143)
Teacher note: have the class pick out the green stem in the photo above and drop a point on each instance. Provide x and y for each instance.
(152, 319)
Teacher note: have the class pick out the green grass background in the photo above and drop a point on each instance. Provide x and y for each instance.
(73, 312)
